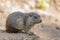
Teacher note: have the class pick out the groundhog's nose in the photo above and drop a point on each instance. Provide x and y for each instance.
(40, 21)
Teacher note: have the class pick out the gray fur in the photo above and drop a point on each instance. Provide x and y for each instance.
(19, 22)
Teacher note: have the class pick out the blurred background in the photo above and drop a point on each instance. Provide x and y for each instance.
(49, 10)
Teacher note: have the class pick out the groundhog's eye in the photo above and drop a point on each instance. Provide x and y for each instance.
(35, 17)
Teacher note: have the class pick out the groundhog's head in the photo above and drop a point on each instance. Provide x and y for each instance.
(33, 18)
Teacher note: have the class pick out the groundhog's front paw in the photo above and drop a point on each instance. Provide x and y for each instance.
(30, 33)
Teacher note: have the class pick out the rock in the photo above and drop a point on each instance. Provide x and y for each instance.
(17, 36)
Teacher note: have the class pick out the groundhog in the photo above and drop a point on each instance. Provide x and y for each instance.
(22, 22)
